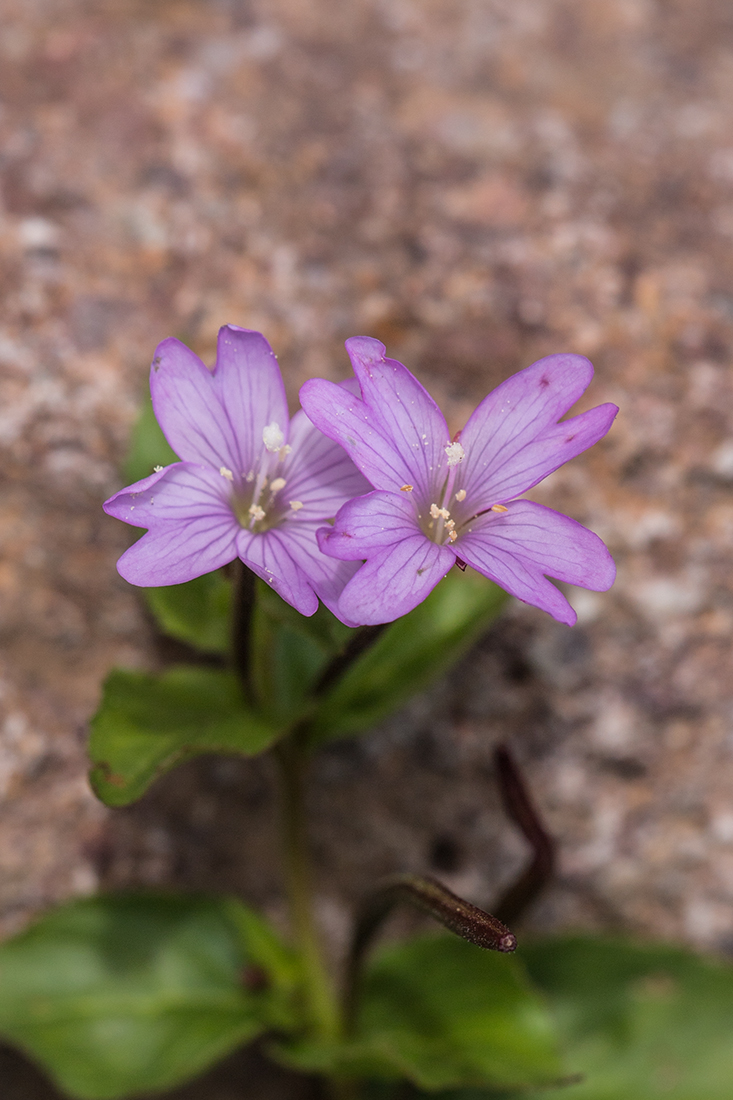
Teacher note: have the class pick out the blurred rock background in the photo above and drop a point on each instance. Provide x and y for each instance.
(477, 184)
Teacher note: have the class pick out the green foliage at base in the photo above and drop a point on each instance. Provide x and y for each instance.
(147, 724)
(440, 1012)
(640, 1021)
(116, 996)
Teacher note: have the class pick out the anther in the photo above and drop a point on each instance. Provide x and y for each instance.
(295, 505)
(277, 484)
(256, 512)
(406, 488)
(438, 513)
(452, 536)
(226, 473)
(498, 508)
(461, 495)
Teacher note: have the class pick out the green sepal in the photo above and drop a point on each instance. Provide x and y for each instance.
(408, 655)
(148, 446)
(121, 995)
(441, 1013)
(639, 1021)
(198, 613)
(146, 724)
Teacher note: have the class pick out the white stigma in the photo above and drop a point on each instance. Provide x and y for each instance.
(157, 469)
(461, 495)
(455, 453)
(295, 505)
(226, 473)
(278, 484)
(273, 437)
(256, 512)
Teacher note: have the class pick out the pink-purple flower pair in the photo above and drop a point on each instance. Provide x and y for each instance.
(252, 484)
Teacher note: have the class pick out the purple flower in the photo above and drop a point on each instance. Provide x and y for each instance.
(251, 484)
(438, 502)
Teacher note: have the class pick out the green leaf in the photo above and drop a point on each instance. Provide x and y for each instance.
(198, 612)
(115, 996)
(443, 1014)
(147, 724)
(410, 653)
(641, 1022)
(148, 446)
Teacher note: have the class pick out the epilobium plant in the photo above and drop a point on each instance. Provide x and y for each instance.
(365, 504)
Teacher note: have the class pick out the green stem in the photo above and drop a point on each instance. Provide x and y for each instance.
(320, 994)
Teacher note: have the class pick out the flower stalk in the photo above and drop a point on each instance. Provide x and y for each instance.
(319, 991)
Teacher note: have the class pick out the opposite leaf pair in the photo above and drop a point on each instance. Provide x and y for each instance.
(255, 485)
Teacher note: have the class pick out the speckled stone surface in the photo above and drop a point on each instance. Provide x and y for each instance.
(477, 184)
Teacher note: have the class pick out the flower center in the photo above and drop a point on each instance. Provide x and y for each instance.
(257, 497)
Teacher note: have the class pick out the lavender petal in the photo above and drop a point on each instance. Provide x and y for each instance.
(268, 555)
(370, 524)
(326, 575)
(191, 528)
(318, 472)
(250, 388)
(513, 440)
(519, 548)
(394, 581)
(188, 408)
(409, 415)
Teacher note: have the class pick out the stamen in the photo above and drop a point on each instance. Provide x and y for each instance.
(295, 505)
(250, 476)
(226, 473)
(438, 513)
(452, 536)
(256, 512)
(455, 453)
(406, 488)
(277, 484)
(450, 524)
(498, 508)
(461, 495)
(273, 437)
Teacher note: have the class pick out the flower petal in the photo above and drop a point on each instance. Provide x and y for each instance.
(175, 494)
(326, 575)
(410, 417)
(519, 548)
(344, 418)
(370, 524)
(318, 472)
(396, 435)
(268, 555)
(188, 408)
(395, 581)
(248, 382)
(191, 527)
(512, 440)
